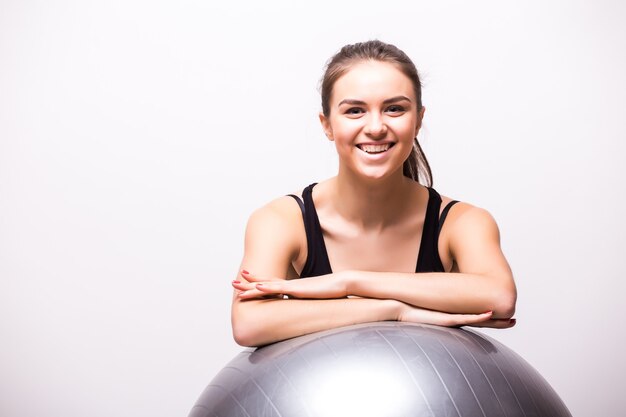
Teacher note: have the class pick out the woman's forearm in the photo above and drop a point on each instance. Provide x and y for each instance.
(260, 322)
(449, 292)
(457, 293)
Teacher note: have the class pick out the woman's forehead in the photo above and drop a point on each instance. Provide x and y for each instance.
(373, 79)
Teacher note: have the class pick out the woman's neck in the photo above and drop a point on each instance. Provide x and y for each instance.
(374, 204)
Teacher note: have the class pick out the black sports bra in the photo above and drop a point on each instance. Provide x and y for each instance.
(317, 262)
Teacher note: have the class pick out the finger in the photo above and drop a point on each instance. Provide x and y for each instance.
(255, 294)
(261, 287)
(270, 287)
(496, 323)
(248, 276)
(440, 318)
(242, 285)
(470, 319)
(249, 294)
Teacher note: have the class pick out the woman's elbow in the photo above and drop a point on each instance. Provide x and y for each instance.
(504, 303)
(243, 338)
(248, 333)
(244, 334)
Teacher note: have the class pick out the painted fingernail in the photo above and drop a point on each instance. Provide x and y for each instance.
(488, 312)
(236, 282)
(243, 271)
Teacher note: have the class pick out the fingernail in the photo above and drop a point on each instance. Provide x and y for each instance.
(488, 312)
(513, 321)
(243, 271)
(236, 282)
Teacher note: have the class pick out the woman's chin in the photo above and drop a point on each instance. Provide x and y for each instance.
(378, 174)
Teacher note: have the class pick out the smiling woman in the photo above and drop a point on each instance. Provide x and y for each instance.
(376, 242)
(377, 129)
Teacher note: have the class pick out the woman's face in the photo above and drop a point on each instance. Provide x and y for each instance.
(373, 119)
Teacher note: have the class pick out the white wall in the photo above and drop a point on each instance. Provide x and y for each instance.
(137, 136)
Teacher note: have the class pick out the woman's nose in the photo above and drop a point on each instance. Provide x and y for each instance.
(375, 126)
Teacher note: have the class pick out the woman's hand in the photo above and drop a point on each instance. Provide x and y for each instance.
(335, 286)
(412, 314)
(321, 287)
(246, 286)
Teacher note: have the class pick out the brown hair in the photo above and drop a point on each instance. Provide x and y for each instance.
(416, 165)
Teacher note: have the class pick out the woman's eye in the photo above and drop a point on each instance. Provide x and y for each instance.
(395, 109)
(354, 110)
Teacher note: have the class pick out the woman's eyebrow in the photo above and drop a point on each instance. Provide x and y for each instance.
(362, 103)
(351, 101)
(396, 99)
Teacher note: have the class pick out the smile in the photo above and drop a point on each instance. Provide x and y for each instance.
(375, 149)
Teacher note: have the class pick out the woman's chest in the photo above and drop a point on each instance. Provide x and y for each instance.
(392, 249)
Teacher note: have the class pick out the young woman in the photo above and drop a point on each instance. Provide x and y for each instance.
(373, 243)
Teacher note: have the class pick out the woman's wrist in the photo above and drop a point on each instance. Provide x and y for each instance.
(346, 278)
(393, 309)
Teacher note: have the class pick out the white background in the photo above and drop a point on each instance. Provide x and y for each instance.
(137, 136)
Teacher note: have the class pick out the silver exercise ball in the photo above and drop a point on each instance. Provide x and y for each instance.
(385, 369)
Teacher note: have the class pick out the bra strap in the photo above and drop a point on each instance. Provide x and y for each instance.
(444, 214)
(300, 203)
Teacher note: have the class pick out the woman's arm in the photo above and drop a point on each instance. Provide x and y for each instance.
(271, 243)
(484, 281)
(259, 322)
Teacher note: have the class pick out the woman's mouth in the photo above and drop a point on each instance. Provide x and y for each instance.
(375, 149)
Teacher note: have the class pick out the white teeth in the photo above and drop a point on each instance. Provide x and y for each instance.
(375, 148)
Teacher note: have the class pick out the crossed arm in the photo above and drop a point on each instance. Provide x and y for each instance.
(482, 293)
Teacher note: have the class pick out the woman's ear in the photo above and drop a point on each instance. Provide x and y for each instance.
(420, 117)
(326, 126)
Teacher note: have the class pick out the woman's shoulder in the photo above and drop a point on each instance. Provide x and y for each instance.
(281, 210)
(287, 207)
(467, 218)
(282, 214)
(276, 226)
